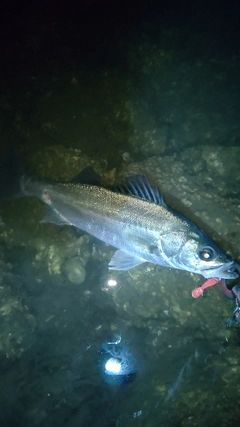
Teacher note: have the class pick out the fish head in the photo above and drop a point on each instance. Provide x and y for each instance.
(194, 251)
(204, 256)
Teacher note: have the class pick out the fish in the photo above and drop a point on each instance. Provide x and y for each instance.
(136, 221)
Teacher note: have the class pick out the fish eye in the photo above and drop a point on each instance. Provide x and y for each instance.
(206, 254)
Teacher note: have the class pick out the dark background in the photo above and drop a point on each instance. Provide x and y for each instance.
(36, 36)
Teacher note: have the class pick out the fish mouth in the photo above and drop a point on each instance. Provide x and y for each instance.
(229, 270)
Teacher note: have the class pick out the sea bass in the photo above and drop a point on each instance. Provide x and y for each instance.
(137, 222)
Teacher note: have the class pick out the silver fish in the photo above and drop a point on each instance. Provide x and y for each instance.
(137, 222)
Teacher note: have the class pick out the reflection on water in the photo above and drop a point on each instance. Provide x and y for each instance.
(160, 103)
(57, 351)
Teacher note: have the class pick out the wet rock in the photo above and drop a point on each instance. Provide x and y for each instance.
(75, 270)
(62, 164)
(61, 255)
(223, 162)
(17, 324)
(148, 138)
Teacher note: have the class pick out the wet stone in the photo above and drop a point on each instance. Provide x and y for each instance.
(75, 270)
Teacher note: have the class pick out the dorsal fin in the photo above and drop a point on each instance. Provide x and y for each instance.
(139, 186)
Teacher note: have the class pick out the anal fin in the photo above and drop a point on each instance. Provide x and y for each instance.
(53, 217)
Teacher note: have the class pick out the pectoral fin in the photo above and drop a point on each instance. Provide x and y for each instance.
(54, 217)
(123, 261)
